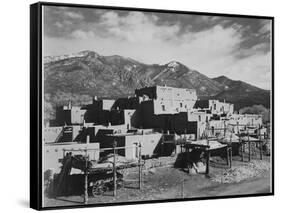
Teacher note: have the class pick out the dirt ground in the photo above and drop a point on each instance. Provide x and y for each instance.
(175, 183)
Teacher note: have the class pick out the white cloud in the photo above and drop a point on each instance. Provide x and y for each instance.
(137, 27)
(80, 34)
(73, 15)
(266, 26)
(213, 51)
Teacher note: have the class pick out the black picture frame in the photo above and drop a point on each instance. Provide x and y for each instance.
(36, 65)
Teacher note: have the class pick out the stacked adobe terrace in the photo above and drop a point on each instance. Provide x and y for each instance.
(153, 111)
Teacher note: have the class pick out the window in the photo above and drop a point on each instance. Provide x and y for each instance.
(199, 118)
(181, 105)
(163, 107)
(214, 106)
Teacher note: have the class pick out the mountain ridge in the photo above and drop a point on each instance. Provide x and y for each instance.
(80, 76)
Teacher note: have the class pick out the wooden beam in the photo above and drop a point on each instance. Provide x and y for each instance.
(114, 168)
(230, 156)
(86, 179)
(140, 168)
(227, 155)
(249, 148)
(208, 162)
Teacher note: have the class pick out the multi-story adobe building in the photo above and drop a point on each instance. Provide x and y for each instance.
(215, 107)
(167, 100)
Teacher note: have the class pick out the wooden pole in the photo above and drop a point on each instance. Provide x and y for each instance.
(63, 153)
(249, 144)
(140, 168)
(114, 168)
(175, 142)
(230, 151)
(208, 162)
(241, 147)
(181, 147)
(260, 143)
(182, 188)
(230, 156)
(224, 128)
(162, 139)
(260, 146)
(227, 155)
(86, 179)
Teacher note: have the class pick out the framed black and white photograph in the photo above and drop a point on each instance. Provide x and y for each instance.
(134, 105)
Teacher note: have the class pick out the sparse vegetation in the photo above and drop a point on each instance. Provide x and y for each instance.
(257, 109)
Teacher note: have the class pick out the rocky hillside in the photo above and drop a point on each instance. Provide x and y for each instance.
(79, 77)
(242, 94)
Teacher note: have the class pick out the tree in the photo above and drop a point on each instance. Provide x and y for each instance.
(257, 109)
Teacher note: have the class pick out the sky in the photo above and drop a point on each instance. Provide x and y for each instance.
(239, 48)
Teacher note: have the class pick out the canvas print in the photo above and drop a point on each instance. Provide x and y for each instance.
(145, 106)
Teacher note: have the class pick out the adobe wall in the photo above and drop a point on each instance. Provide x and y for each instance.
(54, 152)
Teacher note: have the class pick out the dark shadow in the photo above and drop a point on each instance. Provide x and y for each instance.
(131, 187)
(219, 164)
(185, 170)
(67, 200)
(181, 160)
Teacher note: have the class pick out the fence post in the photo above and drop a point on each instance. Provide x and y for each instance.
(249, 144)
(241, 148)
(260, 145)
(227, 155)
(114, 167)
(224, 128)
(182, 189)
(140, 167)
(175, 142)
(86, 179)
(230, 151)
(208, 162)
(230, 156)
(162, 140)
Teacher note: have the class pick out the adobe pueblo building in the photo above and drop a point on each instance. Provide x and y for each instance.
(152, 114)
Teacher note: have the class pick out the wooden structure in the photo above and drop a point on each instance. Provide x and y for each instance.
(207, 148)
(90, 168)
(249, 138)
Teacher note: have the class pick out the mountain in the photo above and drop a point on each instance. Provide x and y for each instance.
(80, 76)
(242, 94)
(113, 76)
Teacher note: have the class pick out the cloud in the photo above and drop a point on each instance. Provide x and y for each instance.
(137, 27)
(80, 34)
(73, 15)
(266, 27)
(237, 48)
